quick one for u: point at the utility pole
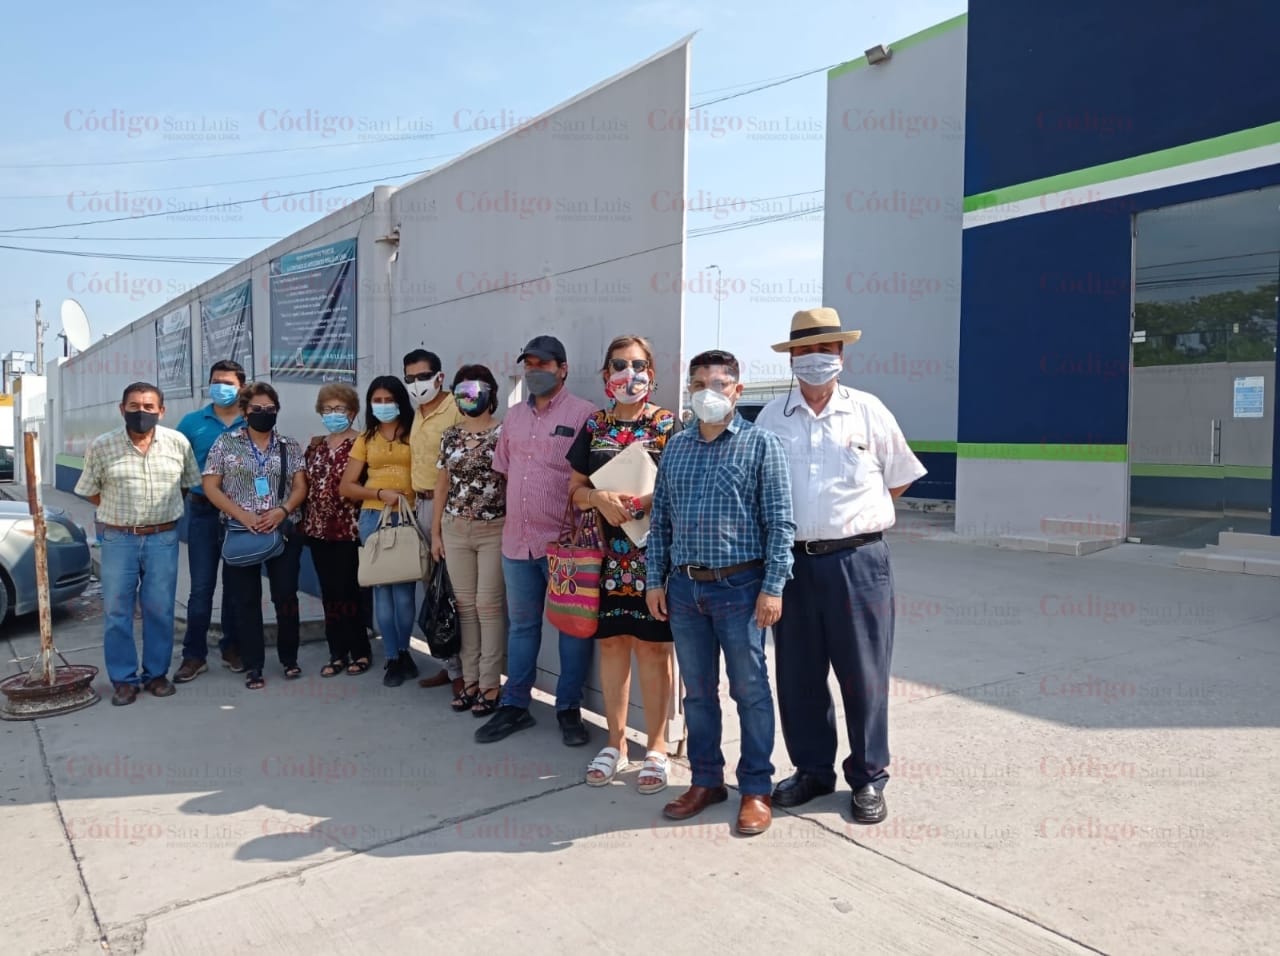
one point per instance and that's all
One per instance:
(719, 299)
(40, 327)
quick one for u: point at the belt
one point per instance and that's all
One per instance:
(143, 528)
(426, 495)
(814, 548)
(695, 573)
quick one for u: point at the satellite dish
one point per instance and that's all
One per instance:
(75, 325)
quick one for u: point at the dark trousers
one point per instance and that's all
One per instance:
(204, 557)
(245, 588)
(337, 565)
(837, 612)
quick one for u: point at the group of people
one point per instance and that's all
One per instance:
(773, 525)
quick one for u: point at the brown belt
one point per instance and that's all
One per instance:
(695, 573)
(426, 495)
(143, 528)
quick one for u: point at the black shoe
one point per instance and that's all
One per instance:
(799, 789)
(407, 666)
(572, 729)
(503, 724)
(393, 673)
(869, 805)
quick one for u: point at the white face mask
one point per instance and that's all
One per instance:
(711, 407)
(423, 392)
(817, 368)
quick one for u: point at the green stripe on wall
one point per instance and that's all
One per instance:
(70, 461)
(904, 44)
(1006, 452)
(936, 447)
(1255, 472)
(1214, 148)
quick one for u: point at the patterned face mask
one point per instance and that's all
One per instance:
(628, 387)
(472, 398)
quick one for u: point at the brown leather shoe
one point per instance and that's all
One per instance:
(231, 661)
(189, 671)
(161, 687)
(125, 694)
(436, 680)
(755, 813)
(693, 801)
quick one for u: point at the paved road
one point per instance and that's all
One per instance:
(1084, 760)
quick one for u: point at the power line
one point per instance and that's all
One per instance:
(147, 238)
(172, 260)
(764, 86)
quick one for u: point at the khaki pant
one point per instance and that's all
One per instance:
(473, 551)
(423, 512)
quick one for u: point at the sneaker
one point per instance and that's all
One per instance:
(189, 671)
(407, 666)
(393, 673)
(572, 730)
(503, 724)
(231, 661)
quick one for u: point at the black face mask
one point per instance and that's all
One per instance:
(261, 421)
(140, 423)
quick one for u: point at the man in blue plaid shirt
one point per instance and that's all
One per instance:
(720, 540)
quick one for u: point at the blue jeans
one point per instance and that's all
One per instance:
(138, 568)
(204, 557)
(526, 583)
(707, 618)
(393, 604)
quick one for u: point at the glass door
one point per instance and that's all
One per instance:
(1202, 382)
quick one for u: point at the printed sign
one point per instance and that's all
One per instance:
(226, 327)
(1248, 397)
(313, 314)
(173, 352)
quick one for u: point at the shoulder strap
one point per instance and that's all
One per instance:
(284, 469)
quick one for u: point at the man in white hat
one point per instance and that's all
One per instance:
(848, 462)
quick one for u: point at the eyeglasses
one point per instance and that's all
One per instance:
(264, 408)
(334, 410)
(620, 365)
(420, 377)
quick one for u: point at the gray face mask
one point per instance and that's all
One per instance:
(540, 383)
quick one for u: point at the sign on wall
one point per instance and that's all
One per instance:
(173, 352)
(1247, 398)
(226, 327)
(313, 314)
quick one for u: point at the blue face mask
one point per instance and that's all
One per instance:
(385, 411)
(336, 422)
(223, 394)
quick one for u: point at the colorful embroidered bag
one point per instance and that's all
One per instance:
(573, 576)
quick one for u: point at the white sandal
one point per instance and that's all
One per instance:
(655, 765)
(609, 762)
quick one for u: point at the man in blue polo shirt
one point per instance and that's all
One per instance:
(204, 526)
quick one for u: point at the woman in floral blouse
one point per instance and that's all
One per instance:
(625, 623)
(331, 532)
(467, 532)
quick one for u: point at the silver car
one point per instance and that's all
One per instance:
(69, 565)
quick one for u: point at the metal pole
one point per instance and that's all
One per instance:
(45, 672)
(39, 341)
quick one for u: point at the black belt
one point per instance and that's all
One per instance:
(815, 548)
(696, 573)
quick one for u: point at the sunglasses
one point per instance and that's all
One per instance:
(420, 377)
(263, 408)
(621, 365)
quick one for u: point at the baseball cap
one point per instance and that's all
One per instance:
(545, 347)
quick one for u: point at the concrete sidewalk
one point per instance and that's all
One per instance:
(1084, 760)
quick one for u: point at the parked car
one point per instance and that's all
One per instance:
(6, 463)
(68, 549)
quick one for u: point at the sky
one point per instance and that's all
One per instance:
(115, 110)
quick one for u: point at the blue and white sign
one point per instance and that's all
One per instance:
(1247, 402)
(313, 314)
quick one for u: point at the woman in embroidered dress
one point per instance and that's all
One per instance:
(626, 626)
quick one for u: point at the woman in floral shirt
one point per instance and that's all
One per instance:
(331, 533)
(625, 623)
(467, 533)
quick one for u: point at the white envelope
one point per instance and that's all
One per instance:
(632, 472)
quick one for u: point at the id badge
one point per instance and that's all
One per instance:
(262, 487)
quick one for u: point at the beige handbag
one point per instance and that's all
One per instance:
(394, 554)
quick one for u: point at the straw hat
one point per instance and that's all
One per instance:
(815, 326)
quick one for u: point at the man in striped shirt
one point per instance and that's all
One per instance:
(536, 435)
(720, 540)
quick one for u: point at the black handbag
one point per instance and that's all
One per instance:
(438, 616)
